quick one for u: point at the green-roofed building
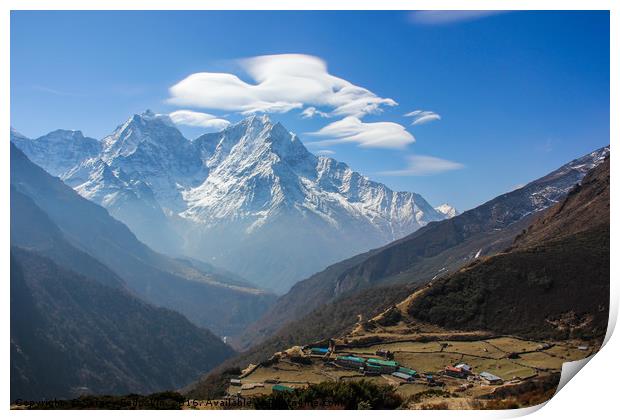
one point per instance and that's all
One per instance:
(282, 388)
(387, 366)
(350, 361)
(319, 351)
(408, 371)
(372, 368)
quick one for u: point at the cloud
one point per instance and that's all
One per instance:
(444, 17)
(377, 135)
(198, 119)
(280, 83)
(324, 152)
(425, 165)
(312, 111)
(423, 117)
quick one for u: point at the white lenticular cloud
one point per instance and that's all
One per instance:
(312, 111)
(444, 17)
(425, 165)
(324, 152)
(423, 117)
(376, 135)
(281, 83)
(198, 119)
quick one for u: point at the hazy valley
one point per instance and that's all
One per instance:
(472, 280)
(250, 199)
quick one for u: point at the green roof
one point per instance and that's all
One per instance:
(407, 371)
(371, 365)
(350, 358)
(282, 388)
(383, 362)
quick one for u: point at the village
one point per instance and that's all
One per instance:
(428, 366)
(471, 368)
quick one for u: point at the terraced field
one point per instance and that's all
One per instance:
(512, 359)
(521, 364)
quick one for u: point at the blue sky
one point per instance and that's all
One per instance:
(518, 94)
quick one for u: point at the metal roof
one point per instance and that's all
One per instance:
(282, 388)
(407, 371)
(383, 362)
(351, 358)
(490, 376)
(401, 375)
(464, 366)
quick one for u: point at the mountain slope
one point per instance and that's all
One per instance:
(33, 230)
(586, 207)
(554, 281)
(250, 199)
(275, 193)
(330, 320)
(71, 335)
(434, 250)
(130, 201)
(206, 299)
(59, 150)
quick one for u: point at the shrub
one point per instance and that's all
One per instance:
(348, 395)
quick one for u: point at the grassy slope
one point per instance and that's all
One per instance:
(326, 321)
(553, 282)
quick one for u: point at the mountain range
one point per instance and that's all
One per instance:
(250, 199)
(115, 316)
(52, 219)
(435, 250)
(546, 279)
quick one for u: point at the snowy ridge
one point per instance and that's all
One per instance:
(58, 151)
(263, 169)
(251, 198)
(447, 210)
(548, 190)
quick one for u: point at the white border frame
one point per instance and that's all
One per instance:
(592, 394)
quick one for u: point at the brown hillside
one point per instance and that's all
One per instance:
(586, 207)
(554, 282)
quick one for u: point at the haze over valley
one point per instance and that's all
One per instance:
(250, 199)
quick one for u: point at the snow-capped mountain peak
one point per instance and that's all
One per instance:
(261, 175)
(147, 127)
(65, 135)
(59, 150)
(447, 210)
(251, 198)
